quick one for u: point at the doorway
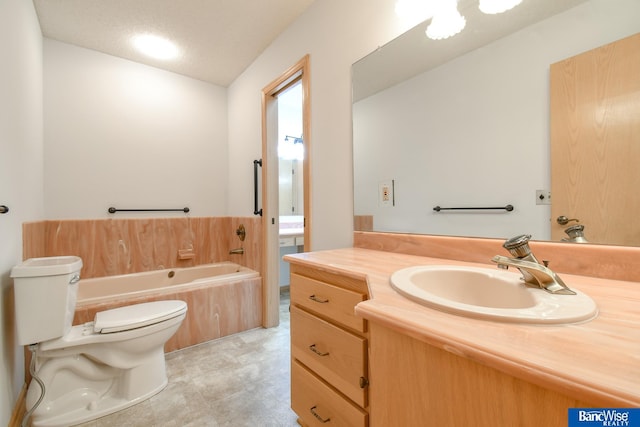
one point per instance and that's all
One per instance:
(285, 159)
(290, 173)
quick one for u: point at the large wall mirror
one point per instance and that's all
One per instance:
(464, 122)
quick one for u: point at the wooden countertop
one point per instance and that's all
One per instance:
(597, 361)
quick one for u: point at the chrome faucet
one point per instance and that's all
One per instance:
(533, 272)
(576, 234)
(238, 251)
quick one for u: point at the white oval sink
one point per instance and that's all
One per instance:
(489, 294)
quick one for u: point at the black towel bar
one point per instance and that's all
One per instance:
(507, 208)
(114, 210)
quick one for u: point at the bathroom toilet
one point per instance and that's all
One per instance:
(90, 370)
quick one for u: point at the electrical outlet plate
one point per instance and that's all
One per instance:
(543, 197)
(386, 193)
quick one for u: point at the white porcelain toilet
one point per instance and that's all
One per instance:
(94, 369)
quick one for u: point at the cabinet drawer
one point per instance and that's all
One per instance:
(332, 353)
(315, 402)
(327, 300)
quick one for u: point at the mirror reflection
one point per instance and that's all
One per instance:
(464, 122)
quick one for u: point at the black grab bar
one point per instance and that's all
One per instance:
(507, 208)
(114, 210)
(256, 163)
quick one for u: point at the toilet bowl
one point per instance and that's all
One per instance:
(90, 370)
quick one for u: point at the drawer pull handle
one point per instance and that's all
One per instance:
(363, 382)
(313, 348)
(316, 299)
(318, 417)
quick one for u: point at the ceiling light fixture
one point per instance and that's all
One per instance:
(156, 47)
(492, 7)
(446, 21)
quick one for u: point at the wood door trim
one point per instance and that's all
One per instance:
(299, 71)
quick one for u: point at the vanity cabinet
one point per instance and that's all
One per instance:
(420, 384)
(329, 348)
(428, 367)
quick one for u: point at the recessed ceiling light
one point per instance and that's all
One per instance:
(156, 47)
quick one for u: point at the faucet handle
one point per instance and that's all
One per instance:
(518, 246)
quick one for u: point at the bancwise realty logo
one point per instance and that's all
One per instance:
(604, 417)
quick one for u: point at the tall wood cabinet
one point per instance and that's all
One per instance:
(329, 348)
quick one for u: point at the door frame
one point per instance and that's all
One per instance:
(270, 215)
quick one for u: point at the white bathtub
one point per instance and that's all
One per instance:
(223, 298)
(109, 288)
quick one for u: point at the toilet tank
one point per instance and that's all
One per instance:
(45, 291)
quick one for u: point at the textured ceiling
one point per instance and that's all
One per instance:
(219, 39)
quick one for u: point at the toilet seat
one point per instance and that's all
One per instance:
(119, 324)
(137, 316)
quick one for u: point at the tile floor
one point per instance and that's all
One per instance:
(240, 380)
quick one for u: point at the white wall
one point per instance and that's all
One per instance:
(20, 170)
(336, 34)
(475, 131)
(123, 134)
(117, 133)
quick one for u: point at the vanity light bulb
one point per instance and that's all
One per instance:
(446, 22)
(492, 7)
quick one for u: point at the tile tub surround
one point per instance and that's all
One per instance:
(596, 362)
(115, 246)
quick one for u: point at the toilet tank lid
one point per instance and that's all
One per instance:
(47, 266)
(137, 315)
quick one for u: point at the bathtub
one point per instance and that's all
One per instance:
(223, 298)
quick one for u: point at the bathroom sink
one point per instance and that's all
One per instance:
(489, 294)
